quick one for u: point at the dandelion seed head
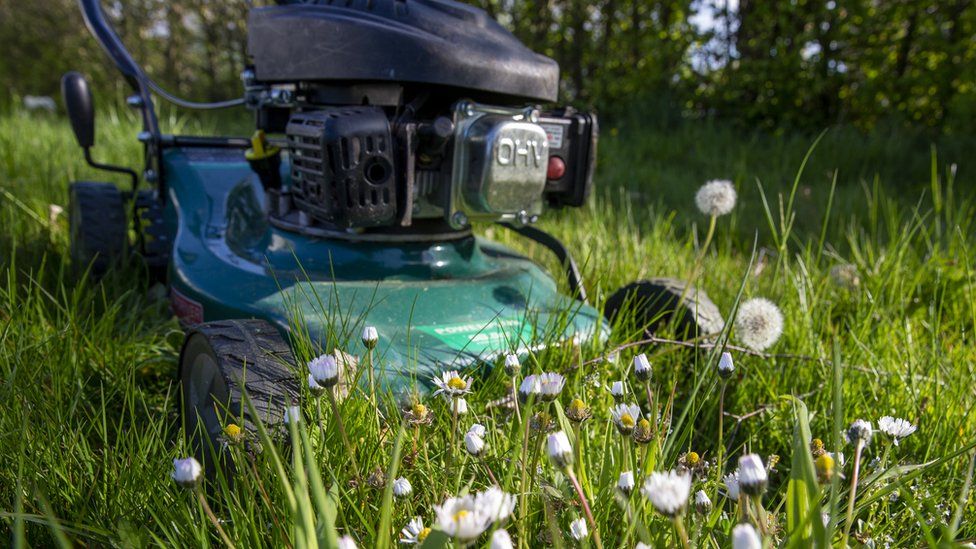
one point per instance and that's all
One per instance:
(759, 323)
(668, 492)
(716, 197)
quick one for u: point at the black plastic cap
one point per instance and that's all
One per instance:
(81, 107)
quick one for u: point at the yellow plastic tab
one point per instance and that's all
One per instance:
(259, 147)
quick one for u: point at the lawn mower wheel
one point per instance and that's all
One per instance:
(97, 224)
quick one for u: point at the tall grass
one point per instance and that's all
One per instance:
(89, 402)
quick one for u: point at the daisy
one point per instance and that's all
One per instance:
(744, 536)
(370, 337)
(715, 197)
(625, 416)
(617, 390)
(578, 529)
(461, 518)
(725, 365)
(530, 386)
(474, 444)
(452, 384)
(668, 492)
(731, 482)
(703, 504)
(496, 504)
(501, 540)
(402, 487)
(325, 370)
(550, 385)
(477, 429)
(642, 367)
(314, 387)
(346, 542)
(512, 364)
(752, 474)
(414, 532)
(626, 482)
(560, 451)
(186, 472)
(759, 323)
(461, 405)
(293, 413)
(896, 428)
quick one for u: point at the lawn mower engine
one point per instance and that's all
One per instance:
(435, 129)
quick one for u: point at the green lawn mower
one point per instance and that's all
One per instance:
(392, 126)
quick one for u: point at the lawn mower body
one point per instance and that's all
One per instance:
(452, 302)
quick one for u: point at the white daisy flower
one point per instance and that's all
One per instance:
(716, 197)
(668, 492)
(512, 364)
(626, 482)
(314, 387)
(530, 386)
(461, 518)
(642, 545)
(414, 532)
(859, 430)
(752, 474)
(896, 428)
(550, 385)
(703, 504)
(402, 487)
(578, 529)
(642, 367)
(731, 482)
(625, 416)
(725, 365)
(461, 405)
(474, 444)
(744, 536)
(477, 429)
(617, 390)
(452, 384)
(293, 413)
(560, 451)
(495, 503)
(370, 337)
(759, 323)
(325, 370)
(501, 540)
(186, 472)
(346, 542)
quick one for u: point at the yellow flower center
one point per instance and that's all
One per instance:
(423, 534)
(459, 516)
(644, 425)
(419, 410)
(627, 420)
(692, 459)
(576, 406)
(457, 384)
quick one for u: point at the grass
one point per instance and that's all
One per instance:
(89, 419)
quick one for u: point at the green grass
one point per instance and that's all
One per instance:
(89, 419)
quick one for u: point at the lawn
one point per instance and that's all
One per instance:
(865, 248)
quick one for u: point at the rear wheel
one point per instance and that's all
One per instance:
(97, 223)
(220, 363)
(655, 302)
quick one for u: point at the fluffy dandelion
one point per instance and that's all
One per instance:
(577, 411)
(731, 482)
(402, 487)
(703, 504)
(495, 503)
(370, 337)
(716, 197)
(725, 366)
(617, 390)
(186, 472)
(474, 444)
(512, 364)
(642, 368)
(346, 542)
(578, 529)
(325, 370)
(560, 451)
(668, 492)
(501, 540)
(744, 536)
(414, 533)
(759, 323)
(461, 518)
(752, 475)
(625, 417)
(451, 383)
(896, 428)
(859, 431)
(626, 482)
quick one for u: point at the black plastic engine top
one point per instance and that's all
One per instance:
(437, 42)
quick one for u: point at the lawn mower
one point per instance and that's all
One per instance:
(384, 130)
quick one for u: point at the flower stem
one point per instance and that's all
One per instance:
(454, 424)
(213, 518)
(853, 495)
(679, 525)
(586, 507)
(523, 488)
(372, 389)
(518, 412)
(342, 430)
(720, 448)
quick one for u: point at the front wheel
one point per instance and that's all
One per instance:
(653, 303)
(223, 361)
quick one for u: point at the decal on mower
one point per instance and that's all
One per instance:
(189, 312)
(475, 337)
